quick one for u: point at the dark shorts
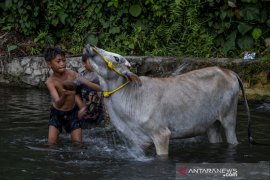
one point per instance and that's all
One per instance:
(65, 119)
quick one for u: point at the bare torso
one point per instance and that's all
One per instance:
(63, 99)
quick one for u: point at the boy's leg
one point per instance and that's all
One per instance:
(52, 135)
(76, 135)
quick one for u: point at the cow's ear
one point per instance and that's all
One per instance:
(135, 79)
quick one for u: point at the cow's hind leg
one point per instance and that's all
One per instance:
(229, 124)
(161, 140)
(214, 133)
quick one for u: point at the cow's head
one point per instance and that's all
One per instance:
(109, 65)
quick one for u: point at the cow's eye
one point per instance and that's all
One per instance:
(116, 58)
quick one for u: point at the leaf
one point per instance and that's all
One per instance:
(135, 10)
(219, 40)
(263, 16)
(8, 4)
(245, 42)
(256, 33)
(249, 1)
(131, 46)
(250, 13)
(12, 47)
(223, 15)
(20, 3)
(54, 22)
(92, 39)
(63, 17)
(105, 24)
(110, 4)
(230, 43)
(177, 2)
(114, 30)
(243, 28)
(268, 22)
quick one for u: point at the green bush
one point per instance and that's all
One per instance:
(195, 28)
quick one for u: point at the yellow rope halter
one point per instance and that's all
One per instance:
(111, 66)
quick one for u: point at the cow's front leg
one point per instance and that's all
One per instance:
(161, 140)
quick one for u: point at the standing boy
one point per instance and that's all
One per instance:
(67, 107)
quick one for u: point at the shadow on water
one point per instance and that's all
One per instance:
(104, 155)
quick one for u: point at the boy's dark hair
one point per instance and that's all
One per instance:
(84, 57)
(51, 53)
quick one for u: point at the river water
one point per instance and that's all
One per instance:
(24, 154)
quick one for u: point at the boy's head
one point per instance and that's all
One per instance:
(55, 59)
(86, 63)
(51, 53)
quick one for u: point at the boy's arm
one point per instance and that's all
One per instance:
(81, 105)
(90, 84)
(79, 101)
(58, 100)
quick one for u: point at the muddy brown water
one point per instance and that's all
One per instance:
(24, 155)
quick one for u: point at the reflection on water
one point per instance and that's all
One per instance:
(24, 154)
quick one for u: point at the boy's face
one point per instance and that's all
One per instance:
(58, 64)
(87, 66)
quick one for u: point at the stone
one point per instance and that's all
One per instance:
(15, 68)
(25, 61)
(28, 71)
(37, 72)
(30, 80)
(34, 65)
(267, 42)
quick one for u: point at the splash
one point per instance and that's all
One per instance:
(108, 142)
(264, 107)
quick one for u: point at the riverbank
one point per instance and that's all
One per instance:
(32, 71)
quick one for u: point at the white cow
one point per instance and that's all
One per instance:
(149, 109)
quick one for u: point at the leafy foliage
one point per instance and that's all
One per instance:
(238, 29)
(208, 28)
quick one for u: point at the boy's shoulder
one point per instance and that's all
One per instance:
(50, 80)
(71, 72)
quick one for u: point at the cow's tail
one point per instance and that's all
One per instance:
(250, 139)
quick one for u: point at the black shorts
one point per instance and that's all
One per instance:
(65, 119)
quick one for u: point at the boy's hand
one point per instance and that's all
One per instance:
(68, 92)
(82, 113)
(90, 84)
(69, 85)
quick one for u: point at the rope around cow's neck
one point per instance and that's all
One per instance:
(108, 93)
(111, 66)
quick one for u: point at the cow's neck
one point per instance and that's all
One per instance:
(113, 84)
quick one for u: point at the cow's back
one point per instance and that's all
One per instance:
(195, 100)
